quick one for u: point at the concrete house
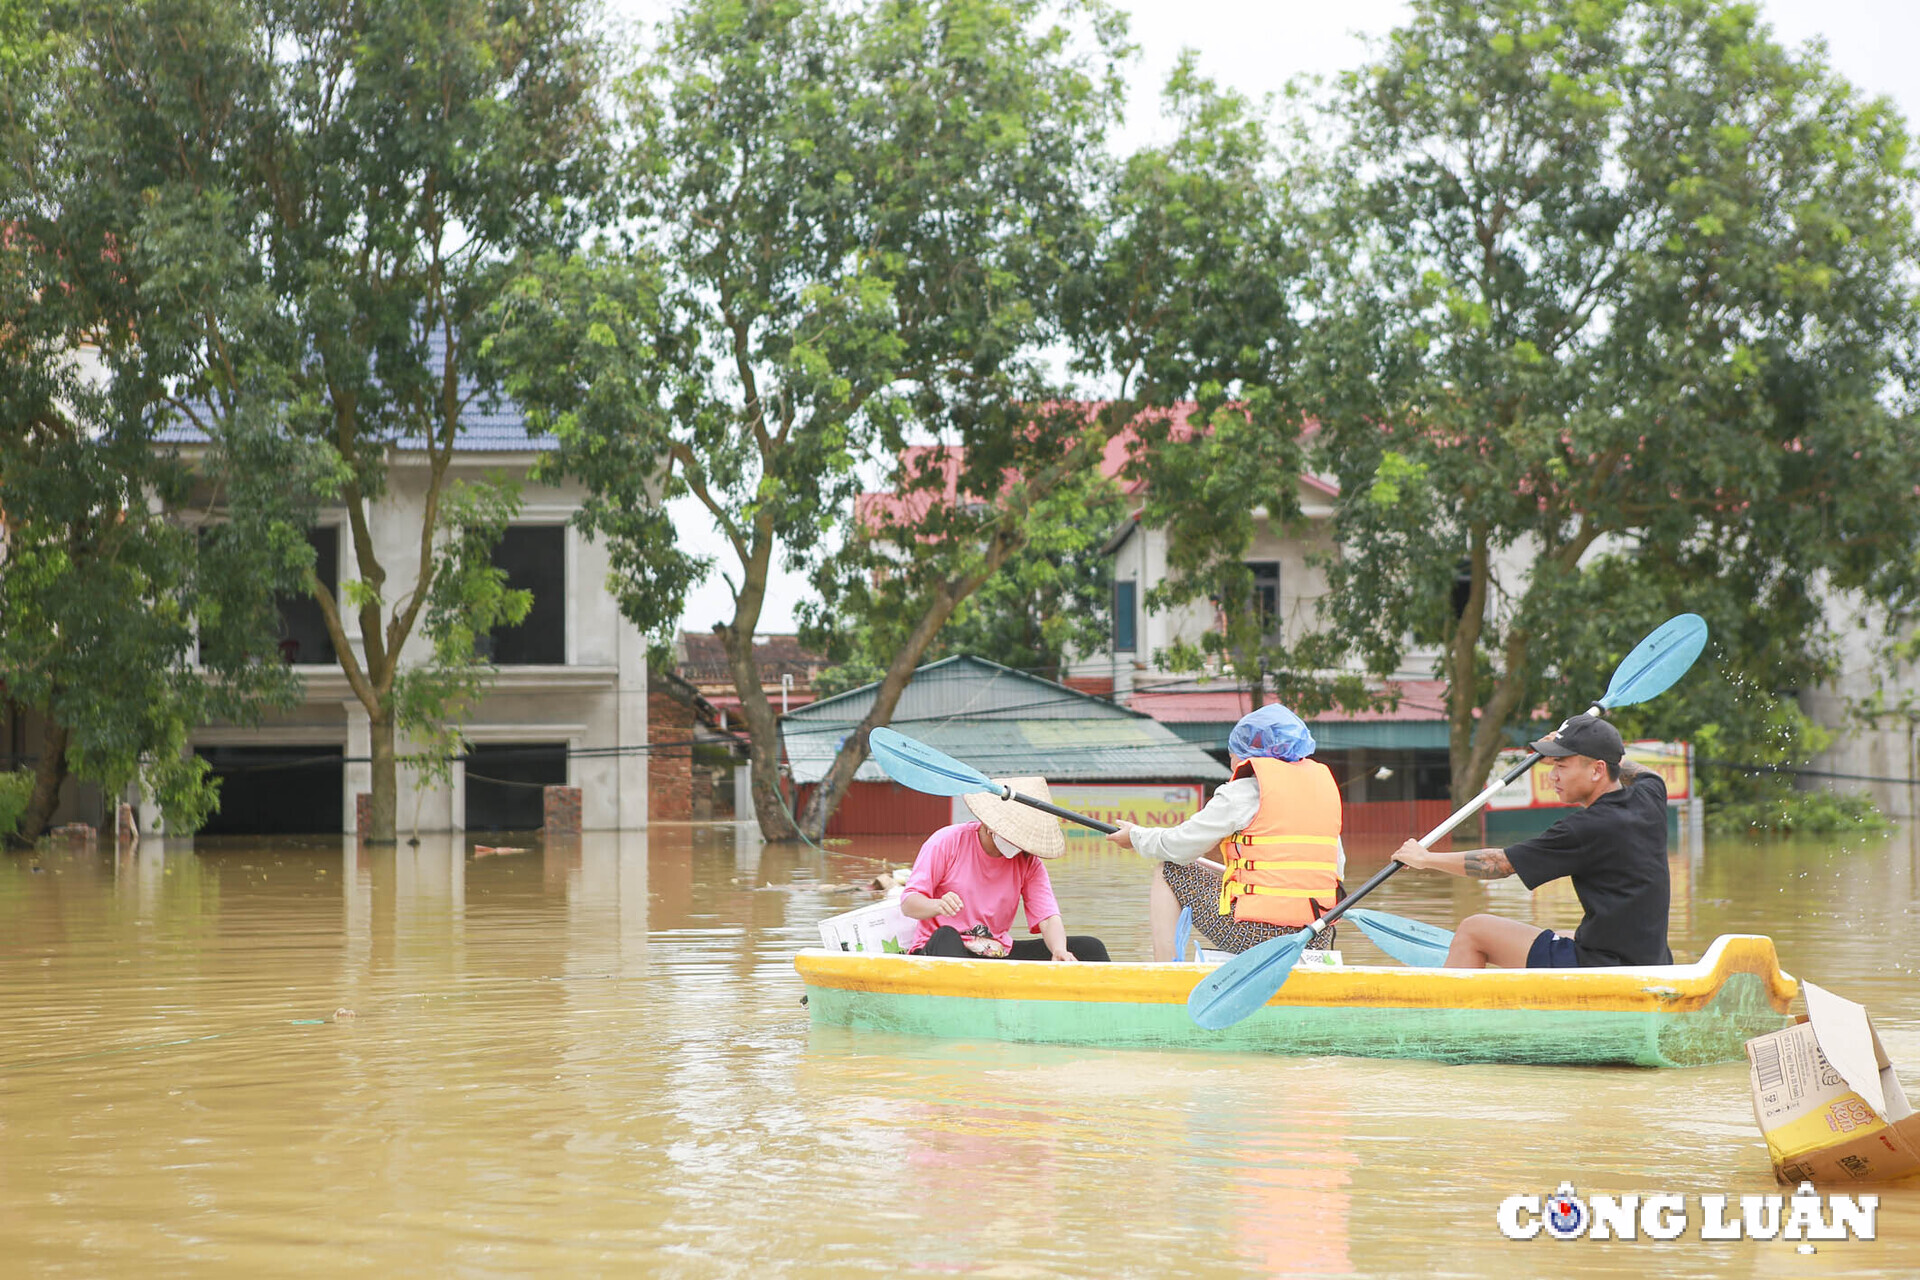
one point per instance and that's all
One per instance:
(1393, 765)
(1396, 759)
(567, 706)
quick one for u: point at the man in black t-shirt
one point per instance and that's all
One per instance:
(1614, 848)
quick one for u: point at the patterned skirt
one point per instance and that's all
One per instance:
(1198, 889)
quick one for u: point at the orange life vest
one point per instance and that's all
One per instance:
(1284, 867)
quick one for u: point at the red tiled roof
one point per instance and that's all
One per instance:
(1190, 707)
(775, 655)
(874, 509)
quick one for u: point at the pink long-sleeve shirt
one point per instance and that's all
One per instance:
(990, 886)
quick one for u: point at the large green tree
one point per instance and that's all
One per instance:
(1615, 284)
(121, 628)
(317, 199)
(850, 224)
(1193, 310)
(1049, 601)
(972, 550)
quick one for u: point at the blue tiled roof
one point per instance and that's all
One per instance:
(487, 424)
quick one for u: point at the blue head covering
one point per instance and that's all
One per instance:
(1273, 731)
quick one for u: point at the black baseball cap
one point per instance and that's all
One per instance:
(1584, 735)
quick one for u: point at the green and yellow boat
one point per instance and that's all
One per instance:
(1679, 1015)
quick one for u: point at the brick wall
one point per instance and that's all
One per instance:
(669, 769)
(560, 809)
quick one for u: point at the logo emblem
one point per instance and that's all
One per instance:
(1566, 1214)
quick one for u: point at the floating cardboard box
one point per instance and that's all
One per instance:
(1828, 1100)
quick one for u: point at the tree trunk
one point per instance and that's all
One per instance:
(1463, 669)
(853, 752)
(386, 784)
(763, 735)
(48, 774)
(1474, 742)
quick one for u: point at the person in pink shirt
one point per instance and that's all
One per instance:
(969, 879)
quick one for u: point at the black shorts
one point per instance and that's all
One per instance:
(1551, 951)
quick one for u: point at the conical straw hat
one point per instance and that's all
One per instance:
(1036, 832)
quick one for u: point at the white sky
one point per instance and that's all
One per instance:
(1257, 46)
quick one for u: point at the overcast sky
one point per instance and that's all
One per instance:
(1257, 46)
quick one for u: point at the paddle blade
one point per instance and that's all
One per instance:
(1180, 932)
(917, 765)
(1246, 982)
(1657, 661)
(1411, 942)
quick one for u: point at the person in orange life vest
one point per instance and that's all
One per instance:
(1613, 847)
(970, 878)
(1276, 825)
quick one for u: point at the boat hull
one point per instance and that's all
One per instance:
(1666, 1016)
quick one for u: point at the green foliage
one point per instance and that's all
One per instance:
(1636, 283)
(847, 226)
(99, 594)
(16, 787)
(1049, 599)
(1196, 292)
(856, 670)
(1737, 705)
(588, 346)
(1810, 813)
(119, 624)
(310, 207)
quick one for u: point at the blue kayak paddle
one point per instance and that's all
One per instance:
(1411, 942)
(1246, 982)
(915, 764)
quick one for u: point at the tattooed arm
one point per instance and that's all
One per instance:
(1485, 864)
(1480, 864)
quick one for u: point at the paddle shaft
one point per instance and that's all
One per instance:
(1104, 828)
(1459, 816)
(1107, 828)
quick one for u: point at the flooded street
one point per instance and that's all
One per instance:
(243, 1058)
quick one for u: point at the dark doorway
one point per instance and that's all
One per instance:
(506, 781)
(534, 557)
(275, 791)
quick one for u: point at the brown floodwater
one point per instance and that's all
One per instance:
(302, 1057)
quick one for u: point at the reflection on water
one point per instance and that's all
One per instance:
(589, 1056)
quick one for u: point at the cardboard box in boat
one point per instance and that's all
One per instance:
(878, 926)
(1828, 1100)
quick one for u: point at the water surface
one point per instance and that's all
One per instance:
(290, 1058)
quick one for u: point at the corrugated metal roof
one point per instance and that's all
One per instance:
(1058, 750)
(487, 425)
(1004, 723)
(975, 688)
